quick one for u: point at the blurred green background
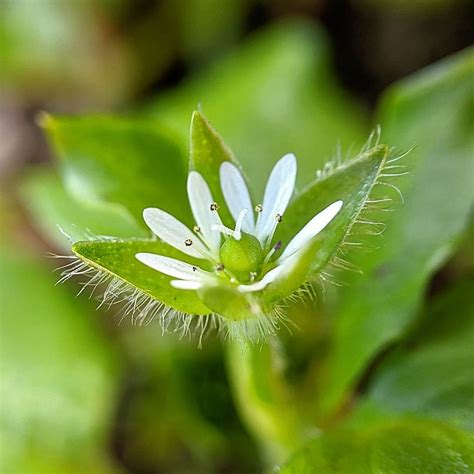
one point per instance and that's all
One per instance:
(82, 390)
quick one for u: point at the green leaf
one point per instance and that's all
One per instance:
(126, 162)
(117, 259)
(58, 371)
(51, 207)
(395, 446)
(432, 374)
(275, 95)
(430, 111)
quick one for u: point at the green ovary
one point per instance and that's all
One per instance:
(242, 257)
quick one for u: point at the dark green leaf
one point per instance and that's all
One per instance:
(430, 111)
(399, 446)
(432, 374)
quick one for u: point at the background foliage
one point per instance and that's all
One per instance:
(380, 370)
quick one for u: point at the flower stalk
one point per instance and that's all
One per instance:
(263, 397)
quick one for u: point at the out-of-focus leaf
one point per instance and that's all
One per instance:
(432, 111)
(125, 162)
(117, 258)
(208, 29)
(51, 208)
(273, 96)
(433, 374)
(394, 446)
(58, 375)
(38, 40)
(412, 6)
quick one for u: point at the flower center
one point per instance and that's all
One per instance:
(243, 258)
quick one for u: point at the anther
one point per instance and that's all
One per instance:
(277, 246)
(258, 208)
(220, 267)
(196, 229)
(278, 218)
(194, 269)
(188, 242)
(214, 206)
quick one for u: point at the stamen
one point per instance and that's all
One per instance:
(238, 224)
(214, 206)
(258, 208)
(220, 267)
(253, 275)
(224, 230)
(194, 269)
(188, 242)
(196, 229)
(272, 252)
(278, 220)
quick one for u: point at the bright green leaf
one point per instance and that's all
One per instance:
(58, 374)
(429, 111)
(121, 161)
(51, 207)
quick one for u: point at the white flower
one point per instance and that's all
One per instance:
(244, 256)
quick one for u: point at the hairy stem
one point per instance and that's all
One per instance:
(263, 398)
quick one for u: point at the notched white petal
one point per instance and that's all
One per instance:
(261, 284)
(278, 192)
(236, 195)
(173, 232)
(201, 201)
(172, 267)
(186, 284)
(311, 229)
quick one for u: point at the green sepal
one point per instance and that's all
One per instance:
(352, 183)
(230, 303)
(117, 259)
(207, 153)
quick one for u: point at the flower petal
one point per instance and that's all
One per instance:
(278, 192)
(200, 199)
(186, 284)
(311, 229)
(172, 267)
(261, 284)
(174, 233)
(236, 194)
